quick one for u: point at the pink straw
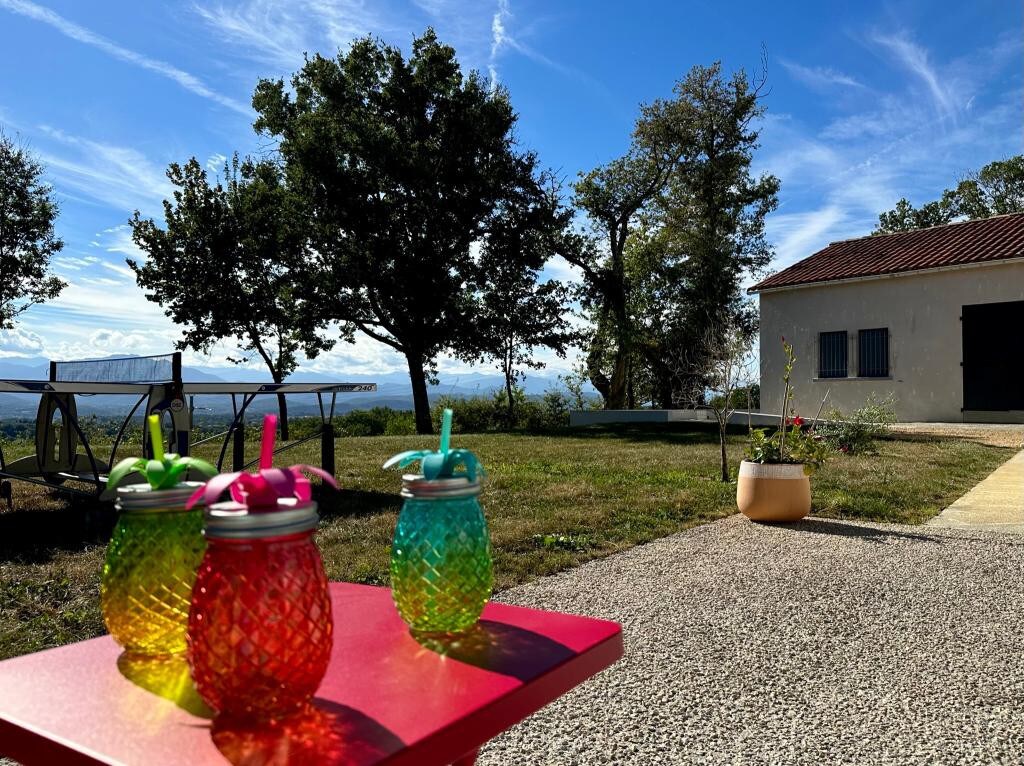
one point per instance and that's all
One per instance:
(267, 447)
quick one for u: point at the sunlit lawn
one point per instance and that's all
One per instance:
(552, 503)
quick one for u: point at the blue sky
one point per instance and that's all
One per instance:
(868, 102)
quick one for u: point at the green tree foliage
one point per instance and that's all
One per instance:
(27, 239)
(614, 196)
(228, 264)
(710, 219)
(404, 165)
(679, 221)
(996, 189)
(517, 313)
(905, 216)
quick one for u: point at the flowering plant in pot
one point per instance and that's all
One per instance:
(774, 481)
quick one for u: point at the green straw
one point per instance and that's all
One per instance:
(446, 431)
(156, 437)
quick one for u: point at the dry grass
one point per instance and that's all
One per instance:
(552, 503)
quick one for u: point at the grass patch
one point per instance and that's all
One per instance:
(552, 502)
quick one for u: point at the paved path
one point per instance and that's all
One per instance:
(995, 504)
(823, 642)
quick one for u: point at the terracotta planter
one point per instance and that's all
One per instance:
(773, 492)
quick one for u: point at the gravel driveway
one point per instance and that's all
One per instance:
(817, 643)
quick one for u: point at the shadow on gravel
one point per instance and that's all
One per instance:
(844, 529)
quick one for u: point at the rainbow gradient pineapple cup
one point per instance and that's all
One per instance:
(151, 562)
(150, 568)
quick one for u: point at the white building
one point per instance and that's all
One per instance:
(933, 316)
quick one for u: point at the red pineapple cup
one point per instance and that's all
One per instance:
(260, 627)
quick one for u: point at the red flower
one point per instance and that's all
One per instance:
(798, 421)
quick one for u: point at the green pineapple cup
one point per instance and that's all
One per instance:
(441, 569)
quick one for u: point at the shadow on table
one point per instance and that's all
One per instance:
(324, 733)
(500, 648)
(166, 677)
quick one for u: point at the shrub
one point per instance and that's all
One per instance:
(401, 423)
(738, 398)
(856, 433)
(482, 414)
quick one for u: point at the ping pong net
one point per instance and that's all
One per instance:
(163, 368)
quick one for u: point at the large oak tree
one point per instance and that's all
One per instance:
(678, 221)
(404, 164)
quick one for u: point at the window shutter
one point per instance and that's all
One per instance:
(832, 352)
(873, 353)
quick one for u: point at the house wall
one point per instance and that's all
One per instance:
(922, 312)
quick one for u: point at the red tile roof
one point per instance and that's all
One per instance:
(980, 241)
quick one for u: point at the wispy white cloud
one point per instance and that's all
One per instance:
(215, 162)
(118, 239)
(499, 39)
(116, 175)
(86, 36)
(502, 39)
(797, 235)
(820, 77)
(911, 137)
(279, 33)
(916, 60)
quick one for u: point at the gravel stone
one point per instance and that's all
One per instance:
(819, 642)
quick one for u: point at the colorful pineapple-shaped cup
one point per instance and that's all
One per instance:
(154, 552)
(441, 571)
(260, 628)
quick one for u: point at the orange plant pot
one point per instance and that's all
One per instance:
(773, 492)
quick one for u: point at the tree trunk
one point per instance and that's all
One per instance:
(420, 400)
(722, 425)
(615, 399)
(598, 379)
(282, 405)
(511, 405)
(282, 408)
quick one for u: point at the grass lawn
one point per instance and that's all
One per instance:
(552, 503)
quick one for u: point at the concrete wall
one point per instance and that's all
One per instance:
(922, 312)
(601, 417)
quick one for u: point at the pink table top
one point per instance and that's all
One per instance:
(386, 699)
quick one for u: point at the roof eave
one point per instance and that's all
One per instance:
(758, 288)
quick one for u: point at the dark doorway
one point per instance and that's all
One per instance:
(993, 356)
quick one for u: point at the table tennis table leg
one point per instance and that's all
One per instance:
(468, 759)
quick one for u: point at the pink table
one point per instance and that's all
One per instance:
(387, 699)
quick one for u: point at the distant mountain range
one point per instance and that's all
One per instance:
(393, 390)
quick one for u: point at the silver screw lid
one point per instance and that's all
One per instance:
(142, 498)
(418, 486)
(235, 521)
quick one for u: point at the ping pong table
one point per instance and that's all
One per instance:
(62, 449)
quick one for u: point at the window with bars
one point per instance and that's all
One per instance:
(873, 353)
(832, 354)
